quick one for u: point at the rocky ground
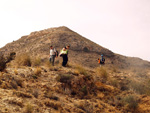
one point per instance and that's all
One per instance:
(71, 89)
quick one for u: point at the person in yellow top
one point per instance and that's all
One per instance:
(64, 55)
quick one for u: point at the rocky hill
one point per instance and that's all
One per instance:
(82, 51)
(29, 84)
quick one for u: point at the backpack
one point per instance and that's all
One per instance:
(102, 60)
(57, 53)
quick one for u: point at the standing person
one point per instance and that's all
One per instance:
(101, 60)
(67, 49)
(52, 55)
(63, 54)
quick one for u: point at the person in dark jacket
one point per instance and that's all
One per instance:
(64, 55)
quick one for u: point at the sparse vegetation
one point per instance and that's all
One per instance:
(84, 90)
(2, 63)
(114, 82)
(101, 72)
(52, 104)
(138, 87)
(35, 93)
(22, 94)
(16, 101)
(16, 72)
(37, 71)
(131, 101)
(81, 70)
(23, 60)
(36, 61)
(64, 78)
(5, 60)
(28, 108)
(51, 95)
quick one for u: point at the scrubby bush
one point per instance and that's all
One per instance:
(5, 60)
(53, 104)
(35, 93)
(36, 61)
(81, 70)
(131, 101)
(16, 101)
(86, 106)
(101, 72)
(84, 90)
(28, 108)
(64, 78)
(37, 71)
(50, 95)
(137, 87)
(22, 94)
(114, 82)
(2, 63)
(23, 60)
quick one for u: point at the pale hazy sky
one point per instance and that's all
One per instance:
(123, 26)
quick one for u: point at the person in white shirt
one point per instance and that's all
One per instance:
(52, 55)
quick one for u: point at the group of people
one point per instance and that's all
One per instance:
(63, 53)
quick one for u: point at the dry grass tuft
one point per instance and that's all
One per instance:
(16, 101)
(22, 94)
(23, 60)
(64, 78)
(28, 108)
(55, 105)
(16, 71)
(51, 95)
(81, 70)
(114, 82)
(101, 72)
(36, 61)
(37, 71)
(35, 93)
(131, 101)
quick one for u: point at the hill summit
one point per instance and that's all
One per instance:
(82, 51)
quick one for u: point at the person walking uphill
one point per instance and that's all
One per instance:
(53, 54)
(64, 55)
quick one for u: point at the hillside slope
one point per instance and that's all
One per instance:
(73, 89)
(82, 51)
(120, 86)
